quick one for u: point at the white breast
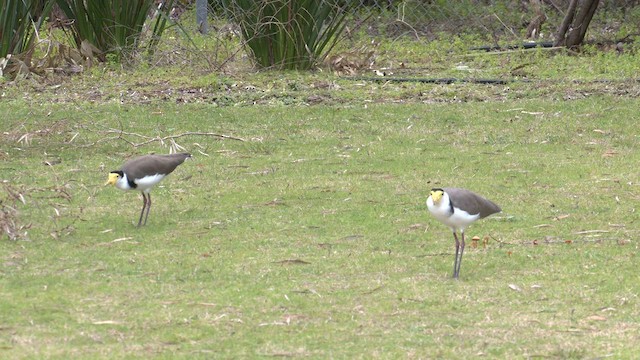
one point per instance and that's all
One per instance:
(459, 220)
(148, 181)
(144, 184)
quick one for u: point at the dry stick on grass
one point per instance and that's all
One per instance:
(120, 135)
(549, 240)
(150, 139)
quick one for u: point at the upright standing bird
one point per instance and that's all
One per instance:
(458, 208)
(142, 173)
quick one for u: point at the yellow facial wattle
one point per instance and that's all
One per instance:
(113, 177)
(436, 195)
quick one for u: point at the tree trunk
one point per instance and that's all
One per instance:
(201, 16)
(574, 26)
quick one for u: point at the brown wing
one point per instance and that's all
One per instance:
(472, 202)
(153, 164)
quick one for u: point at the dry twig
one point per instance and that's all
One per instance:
(145, 140)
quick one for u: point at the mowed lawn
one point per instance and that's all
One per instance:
(311, 238)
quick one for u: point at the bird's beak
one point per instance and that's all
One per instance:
(112, 179)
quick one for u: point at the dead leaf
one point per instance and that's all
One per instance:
(596, 318)
(591, 232)
(352, 237)
(292, 261)
(373, 290)
(88, 50)
(274, 202)
(52, 162)
(206, 304)
(416, 226)
(350, 62)
(514, 287)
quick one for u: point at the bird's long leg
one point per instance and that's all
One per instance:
(461, 252)
(148, 208)
(144, 206)
(455, 263)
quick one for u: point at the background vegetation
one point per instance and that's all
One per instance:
(300, 227)
(288, 34)
(115, 27)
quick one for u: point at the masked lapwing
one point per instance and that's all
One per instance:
(458, 208)
(143, 173)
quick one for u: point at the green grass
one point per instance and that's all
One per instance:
(312, 238)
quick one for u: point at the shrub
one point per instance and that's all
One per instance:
(114, 26)
(288, 34)
(19, 22)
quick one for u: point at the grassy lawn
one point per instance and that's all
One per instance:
(304, 232)
(311, 238)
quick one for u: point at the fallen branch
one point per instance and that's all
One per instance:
(591, 232)
(170, 137)
(430, 80)
(526, 45)
(144, 139)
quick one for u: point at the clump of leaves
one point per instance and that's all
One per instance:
(9, 215)
(48, 56)
(351, 62)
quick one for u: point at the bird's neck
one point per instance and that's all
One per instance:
(123, 183)
(444, 206)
